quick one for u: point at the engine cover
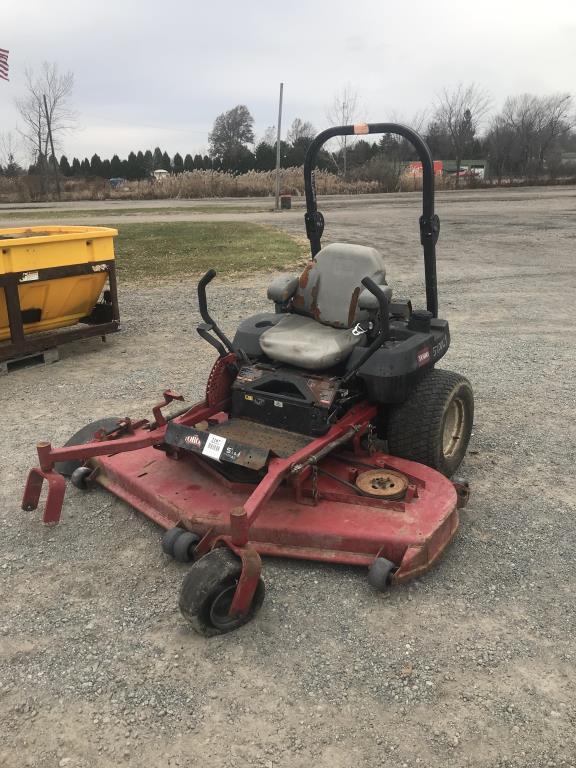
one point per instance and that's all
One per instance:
(285, 398)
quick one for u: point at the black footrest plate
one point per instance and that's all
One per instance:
(215, 447)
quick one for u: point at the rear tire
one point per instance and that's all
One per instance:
(434, 424)
(84, 435)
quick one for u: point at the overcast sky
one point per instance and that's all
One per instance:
(151, 73)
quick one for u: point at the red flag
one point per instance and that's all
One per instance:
(3, 64)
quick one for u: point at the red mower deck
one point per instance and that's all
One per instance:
(341, 527)
(306, 506)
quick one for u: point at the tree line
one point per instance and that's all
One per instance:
(526, 139)
(229, 151)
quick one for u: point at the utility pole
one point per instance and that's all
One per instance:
(49, 126)
(278, 148)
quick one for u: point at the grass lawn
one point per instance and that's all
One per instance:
(8, 214)
(169, 250)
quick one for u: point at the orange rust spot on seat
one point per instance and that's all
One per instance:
(353, 305)
(303, 280)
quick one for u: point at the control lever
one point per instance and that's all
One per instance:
(210, 324)
(384, 326)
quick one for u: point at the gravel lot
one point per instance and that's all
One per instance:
(472, 665)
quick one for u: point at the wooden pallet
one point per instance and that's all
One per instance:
(44, 357)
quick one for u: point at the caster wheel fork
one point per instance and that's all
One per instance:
(222, 591)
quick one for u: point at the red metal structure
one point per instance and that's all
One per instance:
(307, 506)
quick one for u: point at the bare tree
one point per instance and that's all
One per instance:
(526, 135)
(343, 111)
(8, 163)
(459, 113)
(300, 129)
(501, 145)
(45, 109)
(269, 136)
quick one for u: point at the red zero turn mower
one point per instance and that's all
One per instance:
(284, 455)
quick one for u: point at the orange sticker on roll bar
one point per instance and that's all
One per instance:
(361, 128)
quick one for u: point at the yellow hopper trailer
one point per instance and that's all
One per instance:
(54, 278)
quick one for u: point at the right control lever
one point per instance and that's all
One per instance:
(384, 326)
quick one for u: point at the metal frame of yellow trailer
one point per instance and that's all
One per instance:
(63, 268)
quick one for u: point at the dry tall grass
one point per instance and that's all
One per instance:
(206, 184)
(195, 184)
(201, 184)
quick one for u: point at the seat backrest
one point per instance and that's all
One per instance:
(329, 287)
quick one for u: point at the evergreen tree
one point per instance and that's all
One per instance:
(284, 154)
(115, 167)
(148, 162)
(178, 163)
(207, 163)
(198, 162)
(296, 153)
(166, 162)
(265, 157)
(65, 169)
(188, 163)
(244, 161)
(133, 168)
(85, 167)
(76, 169)
(95, 165)
(359, 153)
(141, 164)
(106, 172)
(157, 159)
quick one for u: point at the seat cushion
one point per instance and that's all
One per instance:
(329, 288)
(304, 343)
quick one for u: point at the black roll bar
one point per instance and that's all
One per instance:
(429, 222)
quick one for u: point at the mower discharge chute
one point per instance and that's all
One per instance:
(284, 456)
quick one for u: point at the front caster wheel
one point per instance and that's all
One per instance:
(169, 540)
(184, 546)
(180, 544)
(80, 476)
(207, 592)
(380, 573)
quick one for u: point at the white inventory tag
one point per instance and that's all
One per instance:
(214, 446)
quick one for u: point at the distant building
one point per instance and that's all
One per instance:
(160, 174)
(468, 169)
(415, 169)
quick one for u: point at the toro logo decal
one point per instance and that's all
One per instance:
(193, 440)
(423, 356)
